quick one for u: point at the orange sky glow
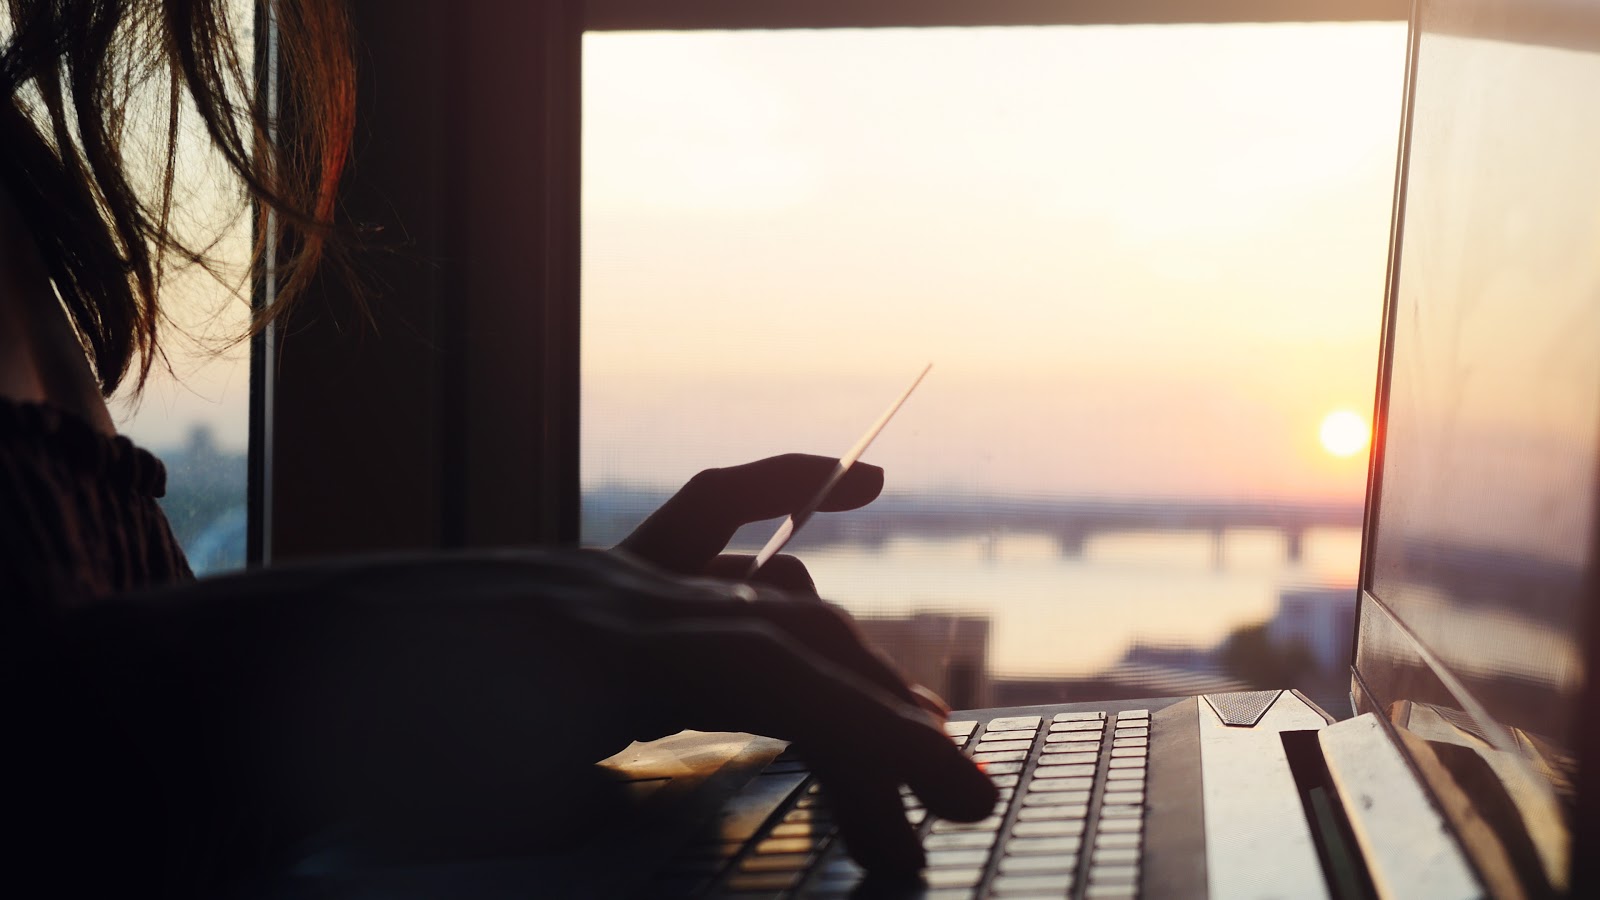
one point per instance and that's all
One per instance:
(1143, 260)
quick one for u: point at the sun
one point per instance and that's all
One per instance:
(1344, 433)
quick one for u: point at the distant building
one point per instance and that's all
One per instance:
(1323, 620)
(947, 653)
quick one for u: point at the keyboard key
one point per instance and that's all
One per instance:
(1044, 813)
(1129, 752)
(1135, 776)
(1069, 759)
(1124, 763)
(1078, 771)
(1114, 841)
(1012, 885)
(1116, 856)
(1123, 798)
(1113, 874)
(810, 814)
(1002, 768)
(777, 862)
(1059, 798)
(1134, 714)
(944, 826)
(1025, 865)
(1061, 727)
(996, 746)
(952, 878)
(1005, 736)
(1014, 723)
(795, 830)
(787, 845)
(1121, 812)
(1131, 731)
(1130, 742)
(1079, 717)
(960, 729)
(762, 881)
(1005, 780)
(1073, 742)
(1002, 756)
(915, 816)
(943, 859)
(1121, 826)
(1061, 828)
(1112, 892)
(1026, 846)
(972, 840)
(1046, 785)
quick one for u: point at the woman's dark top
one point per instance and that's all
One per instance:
(85, 784)
(78, 513)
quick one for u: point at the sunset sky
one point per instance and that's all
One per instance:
(1143, 260)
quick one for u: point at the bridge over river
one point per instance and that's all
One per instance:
(1072, 522)
(609, 514)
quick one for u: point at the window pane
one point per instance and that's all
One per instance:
(1146, 262)
(196, 417)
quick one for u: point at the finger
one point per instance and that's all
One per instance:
(691, 528)
(870, 816)
(733, 675)
(784, 572)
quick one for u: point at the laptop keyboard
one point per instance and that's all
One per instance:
(1069, 823)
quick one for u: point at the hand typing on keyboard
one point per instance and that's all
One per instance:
(779, 666)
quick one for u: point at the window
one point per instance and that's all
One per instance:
(195, 418)
(1147, 263)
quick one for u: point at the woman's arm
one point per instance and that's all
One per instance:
(390, 687)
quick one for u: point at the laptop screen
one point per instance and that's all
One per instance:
(1481, 520)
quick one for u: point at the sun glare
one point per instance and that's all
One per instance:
(1344, 433)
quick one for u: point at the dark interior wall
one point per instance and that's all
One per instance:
(450, 420)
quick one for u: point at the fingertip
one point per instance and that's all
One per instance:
(956, 788)
(859, 486)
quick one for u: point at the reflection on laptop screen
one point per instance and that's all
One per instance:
(1477, 560)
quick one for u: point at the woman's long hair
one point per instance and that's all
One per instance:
(69, 76)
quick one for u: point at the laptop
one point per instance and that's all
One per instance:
(1456, 771)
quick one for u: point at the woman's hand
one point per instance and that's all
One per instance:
(539, 664)
(687, 534)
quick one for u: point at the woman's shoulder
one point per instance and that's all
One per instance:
(47, 437)
(78, 511)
